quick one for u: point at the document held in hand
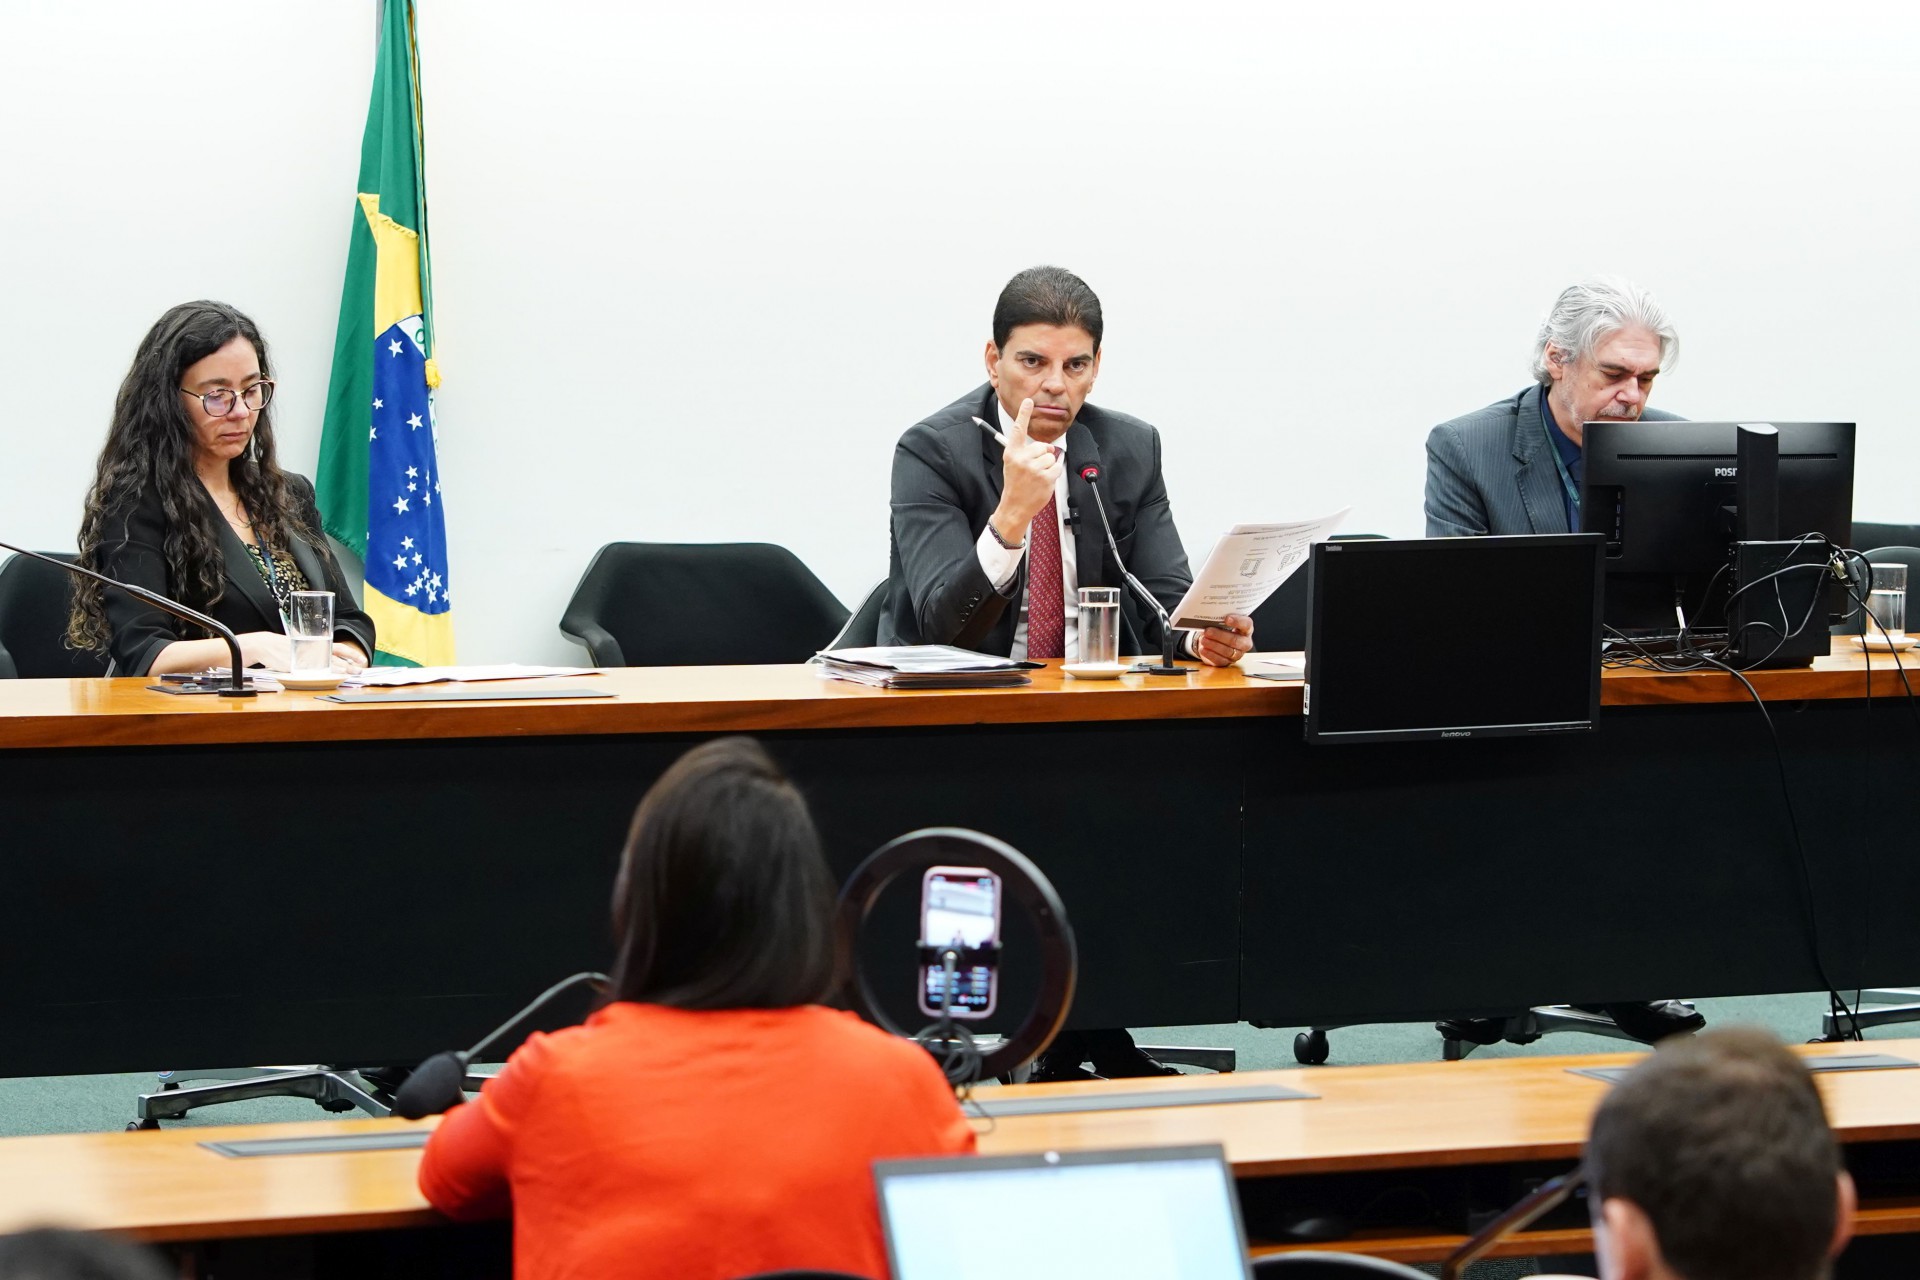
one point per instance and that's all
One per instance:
(1246, 566)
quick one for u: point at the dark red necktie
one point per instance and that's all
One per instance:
(1046, 600)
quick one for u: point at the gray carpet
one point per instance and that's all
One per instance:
(78, 1104)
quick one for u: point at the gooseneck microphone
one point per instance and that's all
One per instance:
(437, 1083)
(1168, 667)
(237, 688)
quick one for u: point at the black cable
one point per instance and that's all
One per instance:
(1837, 1005)
(1689, 657)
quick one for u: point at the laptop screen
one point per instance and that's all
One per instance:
(1166, 1213)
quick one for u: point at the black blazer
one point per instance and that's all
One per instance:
(946, 483)
(135, 552)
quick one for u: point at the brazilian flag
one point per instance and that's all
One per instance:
(379, 479)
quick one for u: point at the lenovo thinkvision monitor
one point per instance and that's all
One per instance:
(1664, 496)
(1453, 638)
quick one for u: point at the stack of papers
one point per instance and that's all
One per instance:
(923, 666)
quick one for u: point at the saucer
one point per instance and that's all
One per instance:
(1883, 643)
(1094, 670)
(313, 680)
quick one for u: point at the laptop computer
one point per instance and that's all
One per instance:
(1155, 1213)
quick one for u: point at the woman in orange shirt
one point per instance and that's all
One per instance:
(712, 1120)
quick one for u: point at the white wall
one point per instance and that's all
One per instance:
(698, 266)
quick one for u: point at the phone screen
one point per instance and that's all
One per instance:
(960, 904)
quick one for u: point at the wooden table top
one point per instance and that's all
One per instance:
(163, 1185)
(124, 712)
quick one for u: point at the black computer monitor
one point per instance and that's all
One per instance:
(1453, 638)
(1664, 497)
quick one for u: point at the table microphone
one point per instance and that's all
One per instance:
(437, 1084)
(236, 688)
(1091, 474)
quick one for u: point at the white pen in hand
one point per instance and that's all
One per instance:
(997, 437)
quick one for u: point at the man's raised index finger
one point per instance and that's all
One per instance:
(1021, 419)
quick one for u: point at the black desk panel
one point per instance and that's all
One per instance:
(376, 902)
(1652, 859)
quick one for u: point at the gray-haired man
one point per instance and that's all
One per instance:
(1515, 467)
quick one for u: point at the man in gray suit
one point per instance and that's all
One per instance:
(1515, 467)
(994, 529)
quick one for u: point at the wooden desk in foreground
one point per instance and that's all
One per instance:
(194, 882)
(1469, 1128)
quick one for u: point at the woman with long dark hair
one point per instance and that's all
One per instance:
(188, 500)
(712, 1120)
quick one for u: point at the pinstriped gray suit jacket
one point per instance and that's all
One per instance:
(1490, 472)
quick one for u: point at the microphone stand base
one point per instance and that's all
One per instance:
(223, 689)
(1167, 666)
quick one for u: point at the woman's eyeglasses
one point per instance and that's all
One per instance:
(219, 404)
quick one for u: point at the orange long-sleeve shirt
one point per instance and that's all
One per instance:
(658, 1142)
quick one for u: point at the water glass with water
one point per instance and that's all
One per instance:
(310, 628)
(1100, 625)
(1887, 602)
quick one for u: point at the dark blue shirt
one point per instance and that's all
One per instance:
(1570, 457)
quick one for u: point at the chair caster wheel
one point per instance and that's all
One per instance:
(135, 1126)
(336, 1104)
(1310, 1048)
(168, 1086)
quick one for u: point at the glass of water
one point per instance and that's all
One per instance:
(1100, 625)
(310, 628)
(1887, 603)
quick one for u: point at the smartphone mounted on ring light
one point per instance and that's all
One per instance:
(959, 916)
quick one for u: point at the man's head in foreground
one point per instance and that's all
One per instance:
(1713, 1161)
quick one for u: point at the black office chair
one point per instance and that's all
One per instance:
(863, 628)
(34, 602)
(1280, 623)
(7, 670)
(1869, 534)
(660, 604)
(1314, 1264)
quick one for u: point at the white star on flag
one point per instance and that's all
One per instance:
(416, 557)
(373, 433)
(400, 506)
(379, 404)
(413, 420)
(406, 544)
(413, 473)
(411, 486)
(393, 348)
(399, 562)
